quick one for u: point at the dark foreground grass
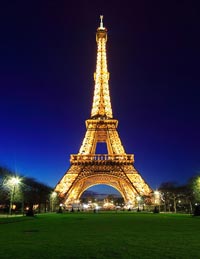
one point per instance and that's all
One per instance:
(101, 235)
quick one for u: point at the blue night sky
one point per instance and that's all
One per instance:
(47, 61)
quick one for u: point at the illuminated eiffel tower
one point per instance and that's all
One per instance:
(115, 168)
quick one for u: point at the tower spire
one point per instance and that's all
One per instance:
(101, 107)
(101, 21)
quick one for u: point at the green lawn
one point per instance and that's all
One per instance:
(100, 235)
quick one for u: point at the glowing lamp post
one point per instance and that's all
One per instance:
(157, 201)
(138, 198)
(53, 197)
(13, 183)
(157, 197)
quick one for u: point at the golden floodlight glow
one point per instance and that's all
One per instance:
(114, 168)
(101, 101)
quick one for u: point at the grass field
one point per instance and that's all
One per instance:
(100, 235)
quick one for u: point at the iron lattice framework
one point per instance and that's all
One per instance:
(116, 168)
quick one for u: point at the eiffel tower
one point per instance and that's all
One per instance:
(115, 168)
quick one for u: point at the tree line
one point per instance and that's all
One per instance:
(180, 198)
(27, 194)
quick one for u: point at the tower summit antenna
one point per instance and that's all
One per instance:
(101, 21)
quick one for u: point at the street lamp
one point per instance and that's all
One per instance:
(53, 197)
(157, 200)
(138, 198)
(12, 184)
(157, 197)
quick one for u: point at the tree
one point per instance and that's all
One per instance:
(4, 173)
(4, 197)
(30, 192)
(10, 192)
(12, 185)
(195, 184)
(167, 191)
(36, 193)
(171, 195)
(176, 197)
